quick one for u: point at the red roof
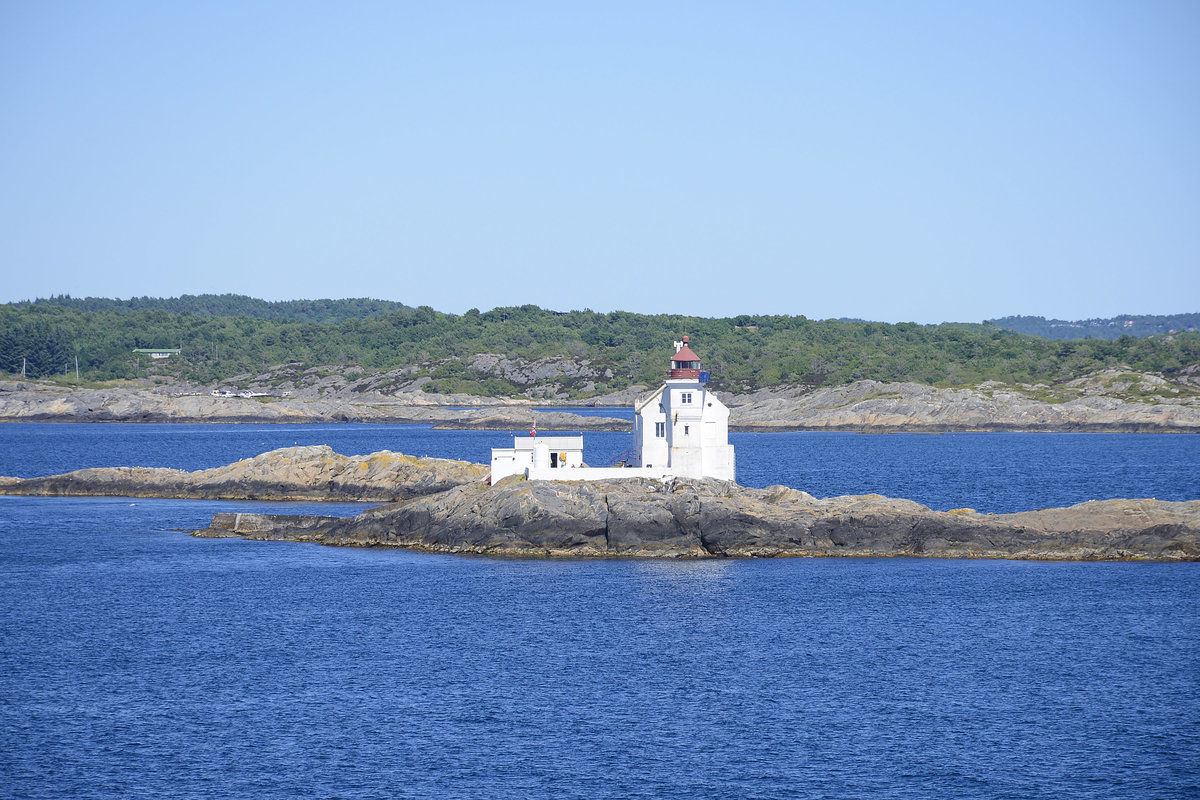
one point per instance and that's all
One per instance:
(685, 354)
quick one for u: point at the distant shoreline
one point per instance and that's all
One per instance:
(861, 407)
(605, 425)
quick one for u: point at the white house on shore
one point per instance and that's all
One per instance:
(537, 452)
(679, 431)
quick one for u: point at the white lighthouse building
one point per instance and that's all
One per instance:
(679, 431)
(683, 425)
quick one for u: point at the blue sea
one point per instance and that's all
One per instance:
(140, 662)
(991, 472)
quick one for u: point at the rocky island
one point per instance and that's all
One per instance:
(447, 506)
(292, 473)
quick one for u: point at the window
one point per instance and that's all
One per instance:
(686, 429)
(660, 429)
(685, 397)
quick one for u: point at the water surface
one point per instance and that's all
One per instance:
(145, 663)
(993, 472)
(141, 662)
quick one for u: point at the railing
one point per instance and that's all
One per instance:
(688, 374)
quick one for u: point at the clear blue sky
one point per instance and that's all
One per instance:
(890, 161)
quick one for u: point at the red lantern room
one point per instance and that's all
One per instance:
(684, 364)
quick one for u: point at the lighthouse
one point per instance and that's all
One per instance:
(683, 426)
(679, 431)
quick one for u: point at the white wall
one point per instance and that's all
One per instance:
(509, 461)
(517, 459)
(718, 460)
(598, 473)
(684, 426)
(649, 448)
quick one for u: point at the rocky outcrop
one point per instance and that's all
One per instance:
(874, 406)
(445, 506)
(699, 519)
(552, 378)
(291, 473)
(28, 402)
(1108, 401)
(541, 372)
(509, 419)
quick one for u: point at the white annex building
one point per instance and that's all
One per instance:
(679, 431)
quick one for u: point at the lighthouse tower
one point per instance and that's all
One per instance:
(683, 426)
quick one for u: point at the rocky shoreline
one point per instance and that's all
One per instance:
(1108, 402)
(293, 473)
(26, 402)
(1104, 404)
(445, 506)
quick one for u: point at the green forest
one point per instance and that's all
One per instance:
(1110, 328)
(233, 305)
(220, 338)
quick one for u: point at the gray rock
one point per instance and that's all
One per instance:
(445, 506)
(58, 404)
(291, 473)
(703, 519)
(874, 406)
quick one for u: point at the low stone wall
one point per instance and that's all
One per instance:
(596, 473)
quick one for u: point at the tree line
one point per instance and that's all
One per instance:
(743, 353)
(233, 305)
(1097, 328)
